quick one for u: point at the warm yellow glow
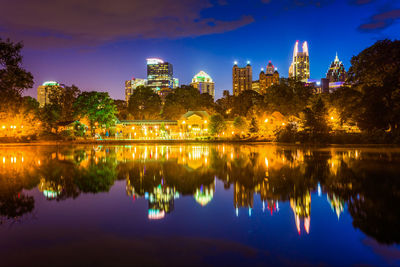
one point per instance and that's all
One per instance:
(205, 122)
(266, 120)
(183, 122)
(133, 127)
(283, 124)
(332, 118)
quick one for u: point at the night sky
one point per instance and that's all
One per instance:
(98, 44)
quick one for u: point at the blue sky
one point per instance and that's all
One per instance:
(97, 45)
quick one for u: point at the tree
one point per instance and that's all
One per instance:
(289, 97)
(13, 78)
(253, 128)
(144, 104)
(97, 107)
(245, 101)
(316, 119)
(186, 98)
(240, 124)
(374, 79)
(217, 124)
(63, 99)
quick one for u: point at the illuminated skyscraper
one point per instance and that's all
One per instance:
(270, 77)
(203, 82)
(241, 78)
(44, 90)
(159, 74)
(336, 72)
(131, 85)
(300, 67)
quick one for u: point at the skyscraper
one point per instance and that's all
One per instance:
(159, 74)
(300, 67)
(203, 82)
(241, 78)
(336, 72)
(44, 90)
(131, 85)
(270, 77)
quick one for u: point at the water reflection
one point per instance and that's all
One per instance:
(363, 181)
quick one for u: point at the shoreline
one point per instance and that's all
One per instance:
(138, 142)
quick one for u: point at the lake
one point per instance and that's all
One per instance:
(199, 204)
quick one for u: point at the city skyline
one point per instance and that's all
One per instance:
(211, 42)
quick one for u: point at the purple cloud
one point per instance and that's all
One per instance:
(380, 21)
(91, 22)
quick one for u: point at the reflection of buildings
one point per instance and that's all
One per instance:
(337, 205)
(48, 189)
(300, 67)
(204, 194)
(161, 201)
(301, 207)
(242, 196)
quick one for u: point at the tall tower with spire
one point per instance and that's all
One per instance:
(300, 67)
(336, 72)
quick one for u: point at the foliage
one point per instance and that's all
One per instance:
(62, 99)
(144, 104)
(253, 127)
(97, 107)
(315, 123)
(186, 98)
(13, 78)
(217, 124)
(373, 97)
(289, 97)
(240, 124)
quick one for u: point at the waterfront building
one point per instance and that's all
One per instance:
(159, 74)
(204, 83)
(241, 78)
(300, 67)
(336, 72)
(270, 77)
(44, 91)
(131, 85)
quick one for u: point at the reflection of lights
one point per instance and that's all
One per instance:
(237, 212)
(156, 214)
(183, 122)
(319, 189)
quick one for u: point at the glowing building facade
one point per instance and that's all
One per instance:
(336, 72)
(44, 90)
(270, 77)
(131, 86)
(300, 67)
(203, 82)
(159, 74)
(241, 78)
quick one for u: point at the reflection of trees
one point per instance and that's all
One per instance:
(96, 177)
(13, 202)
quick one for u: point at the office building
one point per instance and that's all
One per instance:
(159, 74)
(131, 85)
(270, 77)
(203, 82)
(241, 78)
(44, 91)
(336, 72)
(300, 67)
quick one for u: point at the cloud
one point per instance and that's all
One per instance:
(380, 21)
(91, 22)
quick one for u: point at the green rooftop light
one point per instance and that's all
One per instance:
(50, 83)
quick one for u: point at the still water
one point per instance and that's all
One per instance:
(199, 204)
